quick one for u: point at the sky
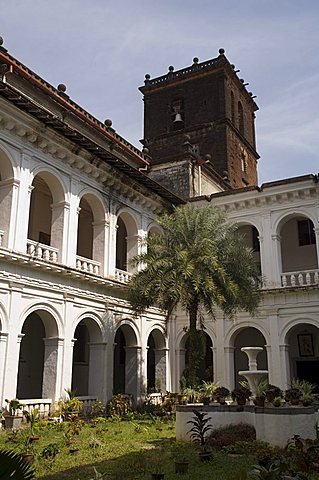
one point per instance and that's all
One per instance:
(102, 49)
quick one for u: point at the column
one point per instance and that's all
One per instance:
(133, 371)
(3, 351)
(316, 230)
(97, 367)
(161, 366)
(68, 345)
(59, 231)
(230, 367)
(51, 373)
(273, 351)
(180, 366)
(285, 367)
(112, 240)
(21, 220)
(8, 194)
(72, 227)
(100, 244)
(276, 263)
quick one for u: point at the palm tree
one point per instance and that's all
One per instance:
(198, 263)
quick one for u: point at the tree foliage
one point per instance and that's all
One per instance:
(199, 263)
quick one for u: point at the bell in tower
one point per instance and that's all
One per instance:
(211, 105)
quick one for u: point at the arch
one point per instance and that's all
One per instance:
(38, 357)
(8, 185)
(248, 336)
(234, 329)
(301, 344)
(156, 360)
(4, 321)
(51, 177)
(126, 360)
(88, 357)
(95, 322)
(206, 363)
(297, 243)
(126, 239)
(52, 319)
(289, 214)
(154, 229)
(91, 232)
(251, 238)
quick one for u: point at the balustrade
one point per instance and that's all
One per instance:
(42, 252)
(43, 405)
(300, 279)
(122, 276)
(1, 237)
(88, 265)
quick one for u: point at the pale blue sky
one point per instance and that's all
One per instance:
(102, 49)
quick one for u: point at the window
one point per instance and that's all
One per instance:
(243, 160)
(255, 239)
(306, 234)
(241, 125)
(232, 107)
(177, 115)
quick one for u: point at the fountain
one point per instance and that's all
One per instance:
(253, 375)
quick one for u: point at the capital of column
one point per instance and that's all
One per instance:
(104, 223)
(133, 347)
(276, 237)
(9, 182)
(30, 188)
(229, 349)
(62, 204)
(284, 348)
(53, 341)
(3, 337)
(20, 337)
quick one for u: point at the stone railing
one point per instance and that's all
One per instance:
(88, 401)
(300, 279)
(42, 404)
(88, 265)
(1, 237)
(42, 252)
(122, 276)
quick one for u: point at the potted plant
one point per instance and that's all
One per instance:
(14, 466)
(307, 399)
(26, 447)
(241, 395)
(180, 461)
(32, 418)
(306, 389)
(206, 391)
(272, 392)
(198, 434)
(293, 395)
(261, 389)
(13, 420)
(220, 394)
(191, 394)
(277, 401)
(71, 405)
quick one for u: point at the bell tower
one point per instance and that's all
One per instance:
(200, 121)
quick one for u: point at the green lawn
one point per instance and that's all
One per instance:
(124, 450)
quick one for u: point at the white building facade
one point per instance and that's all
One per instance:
(75, 205)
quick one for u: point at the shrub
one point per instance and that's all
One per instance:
(230, 434)
(118, 406)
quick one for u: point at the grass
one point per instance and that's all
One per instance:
(122, 450)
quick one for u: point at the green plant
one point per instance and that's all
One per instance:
(241, 394)
(191, 394)
(14, 405)
(231, 434)
(32, 418)
(304, 387)
(50, 451)
(307, 399)
(118, 406)
(259, 472)
(200, 429)
(293, 395)
(221, 393)
(207, 389)
(158, 384)
(261, 388)
(272, 392)
(277, 401)
(14, 467)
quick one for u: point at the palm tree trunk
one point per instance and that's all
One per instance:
(192, 343)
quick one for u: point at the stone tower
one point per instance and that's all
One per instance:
(199, 128)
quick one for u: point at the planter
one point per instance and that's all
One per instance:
(181, 466)
(157, 476)
(241, 401)
(12, 422)
(259, 401)
(221, 400)
(28, 457)
(205, 456)
(206, 400)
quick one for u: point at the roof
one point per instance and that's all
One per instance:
(27, 91)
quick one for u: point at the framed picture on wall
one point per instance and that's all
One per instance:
(305, 344)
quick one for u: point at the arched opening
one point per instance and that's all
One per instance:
(248, 337)
(88, 359)
(203, 358)
(90, 235)
(6, 195)
(303, 353)
(37, 370)
(156, 362)
(85, 230)
(232, 106)
(121, 245)
(251, 238)
(298, 251)
(126, 242)
(126, 362)
(46, 218)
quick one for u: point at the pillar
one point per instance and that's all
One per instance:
(3, 351)
(51, 372)
(230, 367)
(161, 366)
(59, 237)
(133, 371)
(285, 367)
(97, 367)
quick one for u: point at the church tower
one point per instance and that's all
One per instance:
(199, 128)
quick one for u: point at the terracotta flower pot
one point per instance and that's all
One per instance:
(181, 466)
